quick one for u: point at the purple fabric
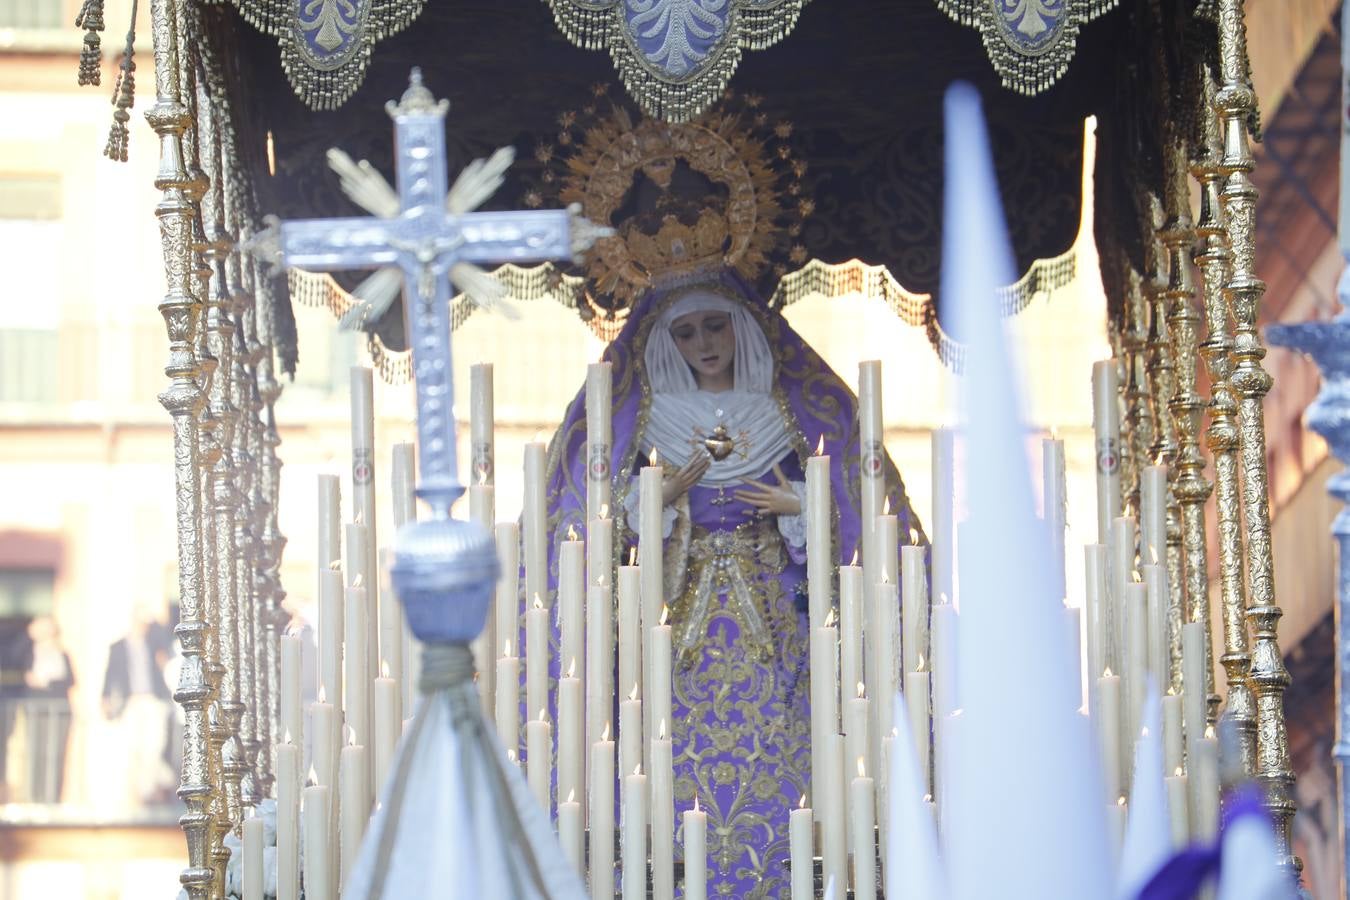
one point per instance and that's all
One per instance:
(741, 708)
(1182, 876)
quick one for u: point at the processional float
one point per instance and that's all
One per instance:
(222, 325)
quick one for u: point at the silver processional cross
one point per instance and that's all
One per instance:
(425, 240)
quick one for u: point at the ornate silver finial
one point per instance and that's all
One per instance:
(417, 99)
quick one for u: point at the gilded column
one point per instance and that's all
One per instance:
(257, 512)
(1138, 420)
(1269, 678)
(1213, 258)
(223, 498)
(181, 310)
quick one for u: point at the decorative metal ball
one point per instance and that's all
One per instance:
(444, 573)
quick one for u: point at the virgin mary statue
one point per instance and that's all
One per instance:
(733, 401)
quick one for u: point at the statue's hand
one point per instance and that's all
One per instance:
(778, 500)
(673, 487)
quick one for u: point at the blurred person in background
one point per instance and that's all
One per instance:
(50, 680)
(137, 698)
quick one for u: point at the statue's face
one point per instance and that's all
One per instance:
(706, 341)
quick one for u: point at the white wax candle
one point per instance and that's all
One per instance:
(1055, 504)
(329, 535)
(824, 704)
(482, 442)
(355, 803)
(1123, 537)
(1172, 731)
(571, 738)
(630, 734)
(914, 599)
(601, 817)
(850, 630)
(1117, 814)
(1204, 784)
(1106, 434)
(943, 535)
(696, 853)
(318, 859)
(324, 739)
(1095, 566)
(482, 511)
(1073, 628)
(506, 602)
(1159, 664)
(830, 810)
(916, 704)
(292, 715)
(599, 437)
(539, 762)
(288, 821)
(856, 715)
(1107, 717)
(599, 662)
(571, 597)
(571, 834)
(871, 464)
(943, 664)
(535, 518)
(388, 725)
(819, 570)
(536, 656)
(393, 629)
(650, 550)
(508, 702)
(1153, 515)
(1177, 812)
(331, 628)
(253, 859)
(357, 691)
(630, 632)
(861, 823)
(662, 817)
(600, 551)
(402, 481)
(1193, 683)
(888, 548)
(635, 836)
(887, 620)
(363, 501)
(1136, 660)
(802, 851)
(659, 676)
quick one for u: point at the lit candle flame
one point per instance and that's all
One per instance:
(927, 798)
(506, 647)
(349, 734)
(862, 690)
(572, 796)
(1137, 579)
(571, 532)
(637, 770)
(271, 155)
(335, 565)
(801, 804)
(1120, 801)
(511, 755)
(543, 714)
(829, 619)
(384, 668)
(1143, 732)
(820, 446)
(632, 556)
(1106, 673)
(654, 457)
(885, 577)
(914, 537)
(632, 695)
(286, 737)
(1209, 731)
(604, 735)
(1178, 772)
(358, 520)
(572, 668)
(312, 777)
(665, 614)
(921, 662)
(604, 511)
(855, 557)
(862, 770)
(661, 732)
(696, 803)
(1171, 692)
(356, 580)
(886, 507)
(1054, 432)
(538, 603)
(321, 695)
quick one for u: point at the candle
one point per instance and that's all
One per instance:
(916, 705)
(1159, 663)
(635, 836)
(1106, 436)
(819, 571)
(1055, 505)
(482, 443)
(1176, 809)
(571, 597)
(824, 704)
(856, 714)
(330, 634)
(539, 761)
(508, 699)
(850, 629)
(914, 597)
(1095, 565)
(696, 852)
(535, 518)
(323, 738)
(1171, 713)
(402, 480)
(1153, 514)
(944, 649)
(571, 834)
(357, 636)
(630, 631)
(288, 821)
(1116, 816)
(506, 603)
(662, 816)
(253, 859)
(802, 851)
(599, 662)
(536, 655)
(392, 627)
(1204, 785)
(944, 516)
(1073, 627)
(482, 512)
(1107, 715)
(363, 500)
(888, 655)
(659, 673)
(1136, 658)
(1122, 573)
(871, 468)
(599, 437)
(861, 823)
(1193, 683)
(318, 862)
(571, 736)
(600, 550)
(650, 549)
(830, 809)
(355, 803)
(601, 817)
(292, 717)
(388, 725)
(329, 548)
(630, 733)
